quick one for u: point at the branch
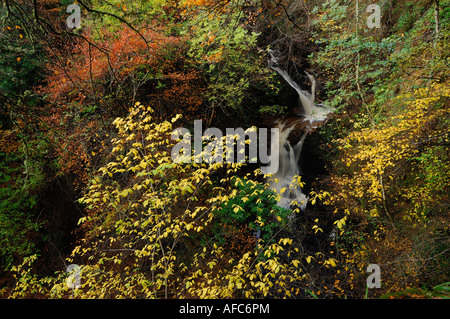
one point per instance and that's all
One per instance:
(289, 17)
(117, 17)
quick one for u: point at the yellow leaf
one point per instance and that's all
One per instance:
(134, 151)
(295, 262)
(143, 164)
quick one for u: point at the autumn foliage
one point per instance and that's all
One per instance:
(87, 177)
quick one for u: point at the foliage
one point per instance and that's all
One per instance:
(226, 51)
(379, 150)
(104, 72)
(353, 64)
(30, 284)
(21, 177)
(143, 210)
(21, 152)
(153, 228)
(389, 183)
(255, 206)
(20, 66)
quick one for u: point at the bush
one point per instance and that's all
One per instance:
(255, 206)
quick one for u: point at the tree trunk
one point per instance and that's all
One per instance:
(437, 22)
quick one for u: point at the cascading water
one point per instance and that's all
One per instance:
(282, 181)
(312, 113)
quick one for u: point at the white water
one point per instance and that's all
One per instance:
(312, 112)
(289, 156)
(282, 180)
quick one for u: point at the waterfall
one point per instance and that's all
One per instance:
(288, 168)
(289, 155)
(312, 113)
(305, 97)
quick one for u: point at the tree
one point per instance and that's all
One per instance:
(146, 215)
(389, 131)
